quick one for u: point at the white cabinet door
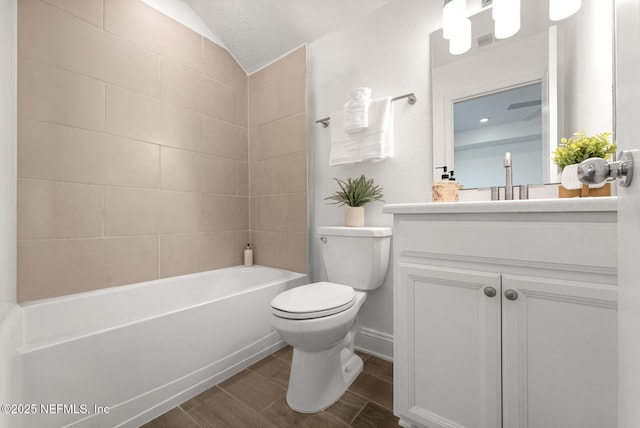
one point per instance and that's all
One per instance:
(447, 347)
(559, 353)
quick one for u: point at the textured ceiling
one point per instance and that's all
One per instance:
(257, 32)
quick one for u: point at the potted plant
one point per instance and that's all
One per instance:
(354, 193)
(571, 151)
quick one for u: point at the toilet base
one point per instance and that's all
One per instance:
(318, 379)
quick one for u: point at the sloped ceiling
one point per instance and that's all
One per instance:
(257, 32)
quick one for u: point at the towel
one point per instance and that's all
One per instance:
(356, 109)
(375, 143)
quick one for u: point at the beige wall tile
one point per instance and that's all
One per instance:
(58, 267)
(284, 174)
(197, 252)
(181, 44)
(291, 65)
(261, 180)
(221, 66)
(58, 210)
(197, 92)
(294, 173)
(265, 140)
(286, 213)
(220, 100)
(224, 139)
(195, 172)
(219, 175)
(296, 259)
(182, 86)
(88, 10)
(280, 137)
(293, 135)
(263, 106)
(61, 153)
(280, 249)
(54, 95)
(147, 212)
(242, 178)
(242, 109)
(180, 170)
(135, 21)
(138, 116)
(142, 24)
(49, 35)
(225, 213)
(292, 96)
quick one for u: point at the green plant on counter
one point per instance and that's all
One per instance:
(581, 147)
(355, 192)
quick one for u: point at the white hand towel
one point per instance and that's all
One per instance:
(372, 144)
(356, 109)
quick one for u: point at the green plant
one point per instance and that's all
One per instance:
(355, 192)
(581, 147)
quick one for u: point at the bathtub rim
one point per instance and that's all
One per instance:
(32, 342)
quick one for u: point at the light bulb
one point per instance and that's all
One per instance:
(561, 9)
(506, 14)
(453, 12)
(461, 40)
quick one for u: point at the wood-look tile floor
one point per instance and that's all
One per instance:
(255, 397)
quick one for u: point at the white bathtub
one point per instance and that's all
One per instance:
(141, 349)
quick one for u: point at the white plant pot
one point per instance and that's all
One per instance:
(569, 179)
(354, 216)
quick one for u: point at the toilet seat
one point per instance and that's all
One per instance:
(315, 300)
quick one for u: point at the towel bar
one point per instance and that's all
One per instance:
(411, 99)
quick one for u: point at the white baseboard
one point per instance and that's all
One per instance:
(375, 343)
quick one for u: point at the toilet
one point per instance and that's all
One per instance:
(317, 319)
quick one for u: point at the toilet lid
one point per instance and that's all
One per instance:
(315, 300)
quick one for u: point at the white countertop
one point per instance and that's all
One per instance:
(597, 204)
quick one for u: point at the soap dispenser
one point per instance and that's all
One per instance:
(446, 190)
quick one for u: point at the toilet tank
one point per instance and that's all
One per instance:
(356, 256)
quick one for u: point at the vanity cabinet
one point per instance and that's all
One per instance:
(505, 318)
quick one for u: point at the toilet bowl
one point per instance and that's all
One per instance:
(318, 319)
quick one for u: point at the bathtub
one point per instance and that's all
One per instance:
(124, 355)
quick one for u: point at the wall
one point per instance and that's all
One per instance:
(389, 52)
(132, 148)
(278, 162)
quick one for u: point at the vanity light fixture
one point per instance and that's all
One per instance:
(456, 27)
(561, 9)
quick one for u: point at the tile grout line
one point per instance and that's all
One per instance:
(265, 378)
(259, 413)
(188, 415)
(359, 411)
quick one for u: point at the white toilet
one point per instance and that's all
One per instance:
(317, 319)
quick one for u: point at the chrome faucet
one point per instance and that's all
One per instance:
(508, 189)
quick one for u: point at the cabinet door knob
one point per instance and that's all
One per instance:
(511, 294)
(489, 291)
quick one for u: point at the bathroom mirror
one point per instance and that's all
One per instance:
(521, 94)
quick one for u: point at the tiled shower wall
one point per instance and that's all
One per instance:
(133, 159)
(278, 162)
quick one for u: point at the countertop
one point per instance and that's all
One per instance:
(594, 204)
